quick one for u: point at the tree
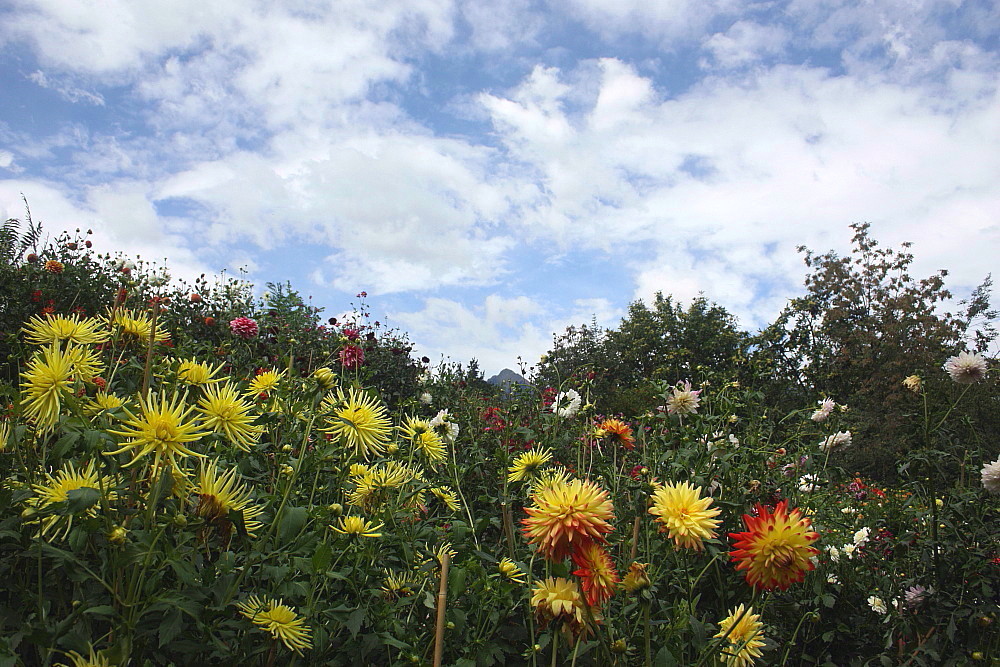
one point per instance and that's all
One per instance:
(864, 325)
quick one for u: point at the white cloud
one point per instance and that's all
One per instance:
(782, 158)
(746, 42)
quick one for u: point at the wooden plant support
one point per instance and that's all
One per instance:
(441, 601)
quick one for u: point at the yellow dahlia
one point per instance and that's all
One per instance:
(396, 586)
(221, 494)
(56, 489)
(684, 515)
(91, 660)
(371, 488)
(162, 428)
(224, 412)
(558, 599)
(264, 382)
(510, 570)
(527, 464)
(567, 515)
(597, 573)
(103, 402)
(776, 549)
(743, 634)
(50, 377)
(136, 326)
(325, 378)
(424, 439)
(447, 497)
(361, 423)
(278, 619)
(48, 329)
(616, 431)
(193, 372)
(356, 526)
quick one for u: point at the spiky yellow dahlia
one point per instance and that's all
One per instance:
(567, 515)
(447, 497)
(510, 570)
(224, 412)
(684, 515)
(194, 372)
(48, 379)
(776, 548)
(135, 326)
(361, 423)
(597, 573)
(356, 526)
(743, 634)
(221, 494)
(264, 382)
(91, 660)
(278, 619)
(527, 465)
(48, 329)
(161, 428)
(421, 435)
(56, 489)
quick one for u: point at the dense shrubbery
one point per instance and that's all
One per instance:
(252, 492)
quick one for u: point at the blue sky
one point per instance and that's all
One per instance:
(492, 172)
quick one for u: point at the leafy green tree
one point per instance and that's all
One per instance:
(863, 326)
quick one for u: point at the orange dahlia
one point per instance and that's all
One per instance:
(567, 514)
(776, 548)
(597, 573)
(617, 431)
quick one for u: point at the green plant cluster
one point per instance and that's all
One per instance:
(308, 519)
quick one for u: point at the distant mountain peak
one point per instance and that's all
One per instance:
(506, 377)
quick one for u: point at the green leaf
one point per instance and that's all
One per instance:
(171, 626)
(292, 521)
(355, 620)
(664, 658)
(100, 610)
(322, 558)
(82, 499)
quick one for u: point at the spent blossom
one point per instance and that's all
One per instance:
(826, 406)
(838, 440)
(966, 368)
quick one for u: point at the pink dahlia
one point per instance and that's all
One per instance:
(243, 327)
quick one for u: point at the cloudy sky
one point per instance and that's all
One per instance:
(490, 172)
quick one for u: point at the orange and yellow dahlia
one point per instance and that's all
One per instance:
(776, 548)
(617, 431)
(565, 515)
(597, 573)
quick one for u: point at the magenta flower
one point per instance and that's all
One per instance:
(352, 356)
(243, 327)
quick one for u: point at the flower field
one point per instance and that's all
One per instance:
(196, 476)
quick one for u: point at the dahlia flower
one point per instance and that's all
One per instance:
(617, 431)
(878, 605)
(913, 383)
(567, 515)
(597, 573)
(966, 368)
(278, 619)
(838, 440)
(684, 515)
(776, 548)
(743, 634)
(826, 406)
(683, 401)
(991, 476)
(244, 327)
(567, 403)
